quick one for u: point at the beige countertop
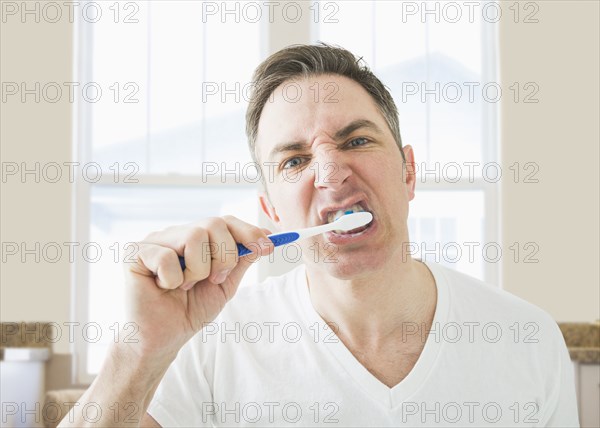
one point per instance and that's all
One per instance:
(26, 335)
(583, 341)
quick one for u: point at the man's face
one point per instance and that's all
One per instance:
(330, 148)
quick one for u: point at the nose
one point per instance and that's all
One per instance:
(331, 170)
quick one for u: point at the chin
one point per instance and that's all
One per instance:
(348, 268)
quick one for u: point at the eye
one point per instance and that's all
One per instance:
(361, 141)
(291, 163)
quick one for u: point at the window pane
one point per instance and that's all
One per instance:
(353, 29)
(119, 60)
(127, 214)
(176, 69)
(190, 75)
(401, 63)
(232, 53)
(455, 240)
(455, 76)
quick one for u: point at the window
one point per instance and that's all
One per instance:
(168, 136)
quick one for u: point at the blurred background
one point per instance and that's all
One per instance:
(119, 118)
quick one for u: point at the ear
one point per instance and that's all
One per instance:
(408, 171)
(267, 207)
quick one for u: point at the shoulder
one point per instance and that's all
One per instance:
(522, 343)
(527, 330)
(472, 297)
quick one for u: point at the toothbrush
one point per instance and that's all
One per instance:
(350, 220)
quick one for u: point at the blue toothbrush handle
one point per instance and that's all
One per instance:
(283, 238)
(277, 240)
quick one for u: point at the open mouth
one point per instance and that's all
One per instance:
(334, 215)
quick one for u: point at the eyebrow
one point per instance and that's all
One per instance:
(339, 135)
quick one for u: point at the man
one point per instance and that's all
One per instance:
(361, 334)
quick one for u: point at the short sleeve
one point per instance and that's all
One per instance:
(183, 397)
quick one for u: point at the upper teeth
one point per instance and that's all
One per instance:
(334, 215)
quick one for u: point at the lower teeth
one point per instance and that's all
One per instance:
(351, 232)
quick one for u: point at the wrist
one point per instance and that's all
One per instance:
(129, 360)
(130, 376)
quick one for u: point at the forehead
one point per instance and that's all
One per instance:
(300, 110)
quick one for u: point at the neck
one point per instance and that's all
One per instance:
(369, 312)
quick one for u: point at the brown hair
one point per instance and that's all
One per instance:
(314, 60)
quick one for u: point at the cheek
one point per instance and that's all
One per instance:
(292, 196)
(387, 180)
(385, 170)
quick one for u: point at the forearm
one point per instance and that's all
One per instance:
(121, 393)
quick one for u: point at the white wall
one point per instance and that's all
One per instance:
(560, 134)
(35, 132)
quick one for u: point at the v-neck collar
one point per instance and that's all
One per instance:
(390, 397)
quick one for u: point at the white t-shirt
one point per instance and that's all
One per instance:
(269, 359)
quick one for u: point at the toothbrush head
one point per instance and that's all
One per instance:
(352, 220)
